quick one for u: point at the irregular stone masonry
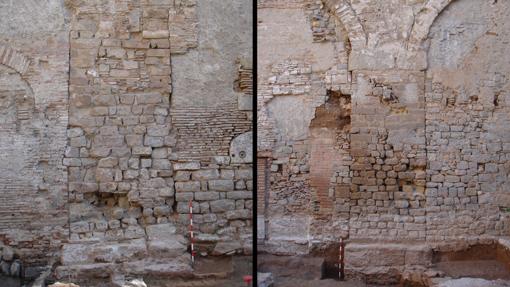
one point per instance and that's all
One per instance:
(424, 158)
(120, 132)
(105, 160)
(149, 159)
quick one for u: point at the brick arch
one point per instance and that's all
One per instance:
(343, 10)
(423, 21)
(13, 59)
(21, 91)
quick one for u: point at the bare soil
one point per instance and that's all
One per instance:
(486, 269)
(293, 282)
(489, 262)
(293, 271)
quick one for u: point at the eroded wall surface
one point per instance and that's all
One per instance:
(33, 126)
(389, 126)
(116, 116)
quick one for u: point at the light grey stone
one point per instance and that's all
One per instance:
(222, 205)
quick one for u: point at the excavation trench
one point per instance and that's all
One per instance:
(394, 264)
(489, 262)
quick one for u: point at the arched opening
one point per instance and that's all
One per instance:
(19, 141)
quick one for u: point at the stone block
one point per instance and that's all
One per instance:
(15, 270)
(108, 162)
(170, 247)
(184, 196)
(221, 160)
(189, 186)
(161, 34)
(7, 253)
(226, 248)
(239, 214)
(160, 231)
(245, 102)
(241, 148)
(148, 98)
(162, 210)
(142, 150)
(244, 173)
(239, 195)
(5, 267)
(222, 205)
(163, 164)
(221, 185)
(205, 174)
(192, 165)
(207, 196)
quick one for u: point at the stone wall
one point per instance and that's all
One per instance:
(302, 54)
(467, 121)
(423, 157)
(33, 126)
(116, 115)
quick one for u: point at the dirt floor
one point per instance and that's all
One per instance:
(486, 269)
(290, 271)
(289, 282)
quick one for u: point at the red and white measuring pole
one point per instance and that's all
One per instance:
(191, 232)
(341, 262)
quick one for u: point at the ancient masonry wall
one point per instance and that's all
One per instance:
(115, 138)
(33, 125)
(419, 149)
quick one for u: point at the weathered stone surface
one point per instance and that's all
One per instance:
(101, 134)
(187, 166)
(7, 253)
(380, 127)
(169, 247)
(222, 205)
(135, 283)
(160, 231)
(59, 284)
(73, 254)
(264, 279)
(15, 269)
(241, 148)
(179, 267)
(5, 267)
(161, 34)
(229, 248)
(221, 185)
(474, 282)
